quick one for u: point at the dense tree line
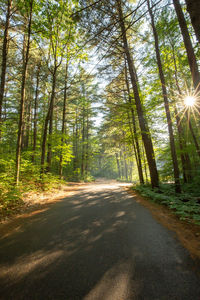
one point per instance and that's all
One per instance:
(46, 96)
(152, 51)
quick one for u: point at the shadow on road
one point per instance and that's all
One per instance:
(97, 244)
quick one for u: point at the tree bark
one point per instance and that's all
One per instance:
(87, 144)
(35, 113)
(83, 144)
(166, 103)
(193, 8)
(4, 58)
(188, 46)
(63, 121)
(21, 109)
(75, 143)
(146, 137)
(118, 165)
(137, 147)
(47, 119)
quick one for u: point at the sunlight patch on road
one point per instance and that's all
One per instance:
(115, 284)
(120, 214)
(25, 265)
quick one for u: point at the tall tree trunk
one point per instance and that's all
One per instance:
(21, 109)
(135, 150)
(188, 45)
(63, 121)
(145, 165)
(4, 58)
(125, 164)
(48, 117)
(185, 159)
(146, 137)
(35, 113)
(139, 162)
(122, 165)
(166, 103)
(87, 145)
(75, 139)
(118, 165)
(193, 8)
(27, 127)
(83, 144)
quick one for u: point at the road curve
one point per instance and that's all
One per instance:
(97, 244)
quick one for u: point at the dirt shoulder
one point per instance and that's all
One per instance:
(187, 233)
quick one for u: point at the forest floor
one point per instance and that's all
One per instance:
(34, 202)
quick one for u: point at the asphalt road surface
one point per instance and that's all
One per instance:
(97, 244)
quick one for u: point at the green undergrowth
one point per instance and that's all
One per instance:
(185, 205)
(11, 196)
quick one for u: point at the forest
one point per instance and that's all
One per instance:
(105, 88)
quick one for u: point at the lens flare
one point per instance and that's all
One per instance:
(189, 101)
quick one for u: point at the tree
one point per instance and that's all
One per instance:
(166, 103)
(193, 8)
(188, 46)
(29, 8)
(142, 121)
(4, 57)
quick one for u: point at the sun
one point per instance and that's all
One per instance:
(189, 101)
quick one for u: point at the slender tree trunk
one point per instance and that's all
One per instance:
(122, 165)
(49, 152)
(4, 58)
(125, 165)
(135, 150)
(21, 109)
(47, 119)
(83, 144)
(146, 137)
(87, 145)
(35, 113)
(27, 127)
(188, 45)
(118, 165)
(139, 162)
(185, 160)
(63, 121)
(193, 8)
(145, 165)
(75, 161)
(166, 103)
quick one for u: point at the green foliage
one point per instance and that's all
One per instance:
(10, 195)
(185, 205)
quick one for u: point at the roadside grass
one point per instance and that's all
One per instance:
(185, 205)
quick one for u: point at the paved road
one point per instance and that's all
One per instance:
(98, 244)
